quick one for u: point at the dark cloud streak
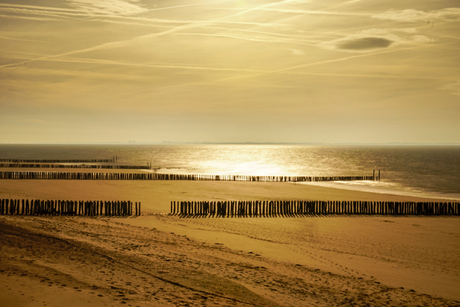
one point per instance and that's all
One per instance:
(365, 43)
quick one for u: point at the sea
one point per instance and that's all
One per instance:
(425, 171)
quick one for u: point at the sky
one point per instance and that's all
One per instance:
(292, 71)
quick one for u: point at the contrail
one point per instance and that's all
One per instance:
(321, 63)
(288, 69)
(28, 17)
(372, 76)
(189, 25)
(310, 12)
(35, 7)
(168, 66)
(18, 39)
(347, 58)
(258, 8)
(101, 46)
(224, 69)
(186, 5)
(55, 12)
(253, 38)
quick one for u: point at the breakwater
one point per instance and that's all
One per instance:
(113, 160)
(90, 166)
(288, 208)
(68, 207)
(157, 176)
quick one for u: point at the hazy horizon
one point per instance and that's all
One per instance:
(287, 72)
(390, 144)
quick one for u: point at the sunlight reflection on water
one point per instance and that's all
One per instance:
(409, 169)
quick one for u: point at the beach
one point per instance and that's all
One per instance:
(229, 153)
(160, 260)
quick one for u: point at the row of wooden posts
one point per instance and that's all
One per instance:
(113, 160)
(266, 208)
(101, 166)
(157, 176)
(69, 207)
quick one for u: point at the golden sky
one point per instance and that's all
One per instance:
(329, 71)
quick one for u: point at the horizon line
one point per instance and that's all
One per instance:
(242, 143)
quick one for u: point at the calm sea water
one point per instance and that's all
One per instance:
(410, 170)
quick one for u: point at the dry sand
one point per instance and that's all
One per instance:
(161, 260)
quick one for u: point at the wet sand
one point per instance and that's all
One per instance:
(162, 260)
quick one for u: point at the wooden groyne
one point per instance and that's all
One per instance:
(68, 207)
(113, 160)
(287, 208)
(157, 176)
(89, 166)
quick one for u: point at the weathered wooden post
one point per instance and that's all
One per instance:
(206, 208)
(27, 207)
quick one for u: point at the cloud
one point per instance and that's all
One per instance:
(80, 9)
(454, 88)
(105, 12)
(374, 39)
(409, 15)
(364, 43)
(119, 7)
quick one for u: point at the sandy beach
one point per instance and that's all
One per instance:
(229, 153)
(161, 260)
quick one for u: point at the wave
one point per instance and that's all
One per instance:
(384, 187)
